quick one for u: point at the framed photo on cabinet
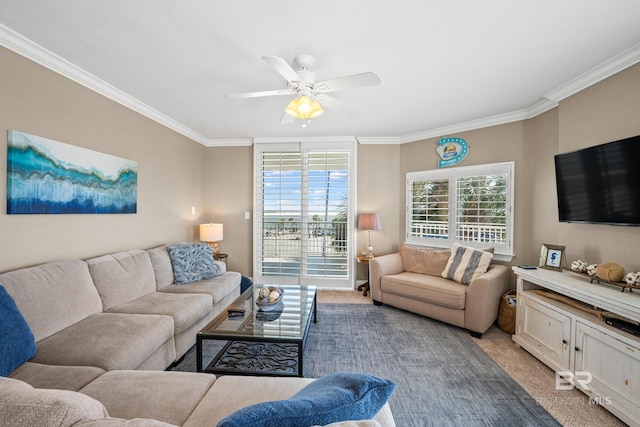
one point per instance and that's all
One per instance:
(552, 257)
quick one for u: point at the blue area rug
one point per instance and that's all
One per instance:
(443, 378)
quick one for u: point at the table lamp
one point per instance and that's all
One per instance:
(212, 234)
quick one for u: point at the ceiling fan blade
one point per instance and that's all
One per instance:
(282, 67)
(348, 82)
(336, 105)
(287, 119)
(259, 94)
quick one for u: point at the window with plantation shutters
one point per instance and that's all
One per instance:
(468, 205)
(303, 214)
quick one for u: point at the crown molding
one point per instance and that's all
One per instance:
(308, 139)
(237, 142)
(596, 74)
(389, 140)
(538, 108)
(27, 48)
(33, 51)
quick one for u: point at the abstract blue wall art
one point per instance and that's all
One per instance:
(50, 177)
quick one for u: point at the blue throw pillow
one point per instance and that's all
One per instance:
(192, 263)
(329, 399)
(17, 344)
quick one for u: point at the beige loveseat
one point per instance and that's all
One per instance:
(412, 279)
(106, 328)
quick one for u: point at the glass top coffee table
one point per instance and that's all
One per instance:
(267, 343)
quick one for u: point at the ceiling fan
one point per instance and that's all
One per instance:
(310, 96)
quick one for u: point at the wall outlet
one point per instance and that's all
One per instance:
(247, 215)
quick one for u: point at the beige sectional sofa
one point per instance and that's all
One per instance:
(412, 279)
(106, 329)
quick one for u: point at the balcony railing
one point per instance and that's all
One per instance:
(468, 232)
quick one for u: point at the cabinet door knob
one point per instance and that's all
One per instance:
(577, 349)
(564, 341)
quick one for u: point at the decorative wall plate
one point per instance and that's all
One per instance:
(452, 151)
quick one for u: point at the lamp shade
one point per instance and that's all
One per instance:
(210, 232)
(369, 221)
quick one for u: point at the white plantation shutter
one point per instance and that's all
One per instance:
(466, 205)
(304, 205)
(281, 212)
(481, 206)
(428, 210)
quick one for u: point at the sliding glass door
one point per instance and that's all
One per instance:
(303, 229)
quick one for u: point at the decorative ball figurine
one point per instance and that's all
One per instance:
(264, 293)
(632, 278)
(273, 296)
(579, 266)
(591, 269)
(610, 271)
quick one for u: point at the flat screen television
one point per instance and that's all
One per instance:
(600, 184)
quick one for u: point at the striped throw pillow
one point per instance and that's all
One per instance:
(466, 264)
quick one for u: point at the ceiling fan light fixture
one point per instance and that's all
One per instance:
(292, 108)
(316, 109)
(304, 108)
(304, 105)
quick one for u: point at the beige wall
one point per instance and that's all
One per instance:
(605, 112)
(494, 144)
(176, 174)
(541, 144)
(170, 169)
(602, 113)
(229, 194)
(378, 182)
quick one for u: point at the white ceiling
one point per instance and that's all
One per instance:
(446, 66)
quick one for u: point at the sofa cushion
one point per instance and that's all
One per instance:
(186, 309)
(466, 264)
(192, 263)
(424, 261)
(119, 422)
(218, 287)
(71, 378)
(162, 268)
(40, 291)
(109, 341)
(168, 396)
(424, 287)
(23, 405)
(17, 344)
(122, 277)
(331, 398)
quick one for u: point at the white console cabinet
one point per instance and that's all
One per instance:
(604, 361)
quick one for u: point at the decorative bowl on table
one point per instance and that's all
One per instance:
(268, 298)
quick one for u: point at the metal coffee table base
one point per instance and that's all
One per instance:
(258, 358)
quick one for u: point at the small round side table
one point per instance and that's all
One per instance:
(365, 286)
(220, 257)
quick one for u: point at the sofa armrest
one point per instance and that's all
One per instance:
(222, 266)
(382, 266)
(483, 298)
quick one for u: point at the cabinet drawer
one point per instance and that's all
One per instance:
(548, 330)
(614, 365)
